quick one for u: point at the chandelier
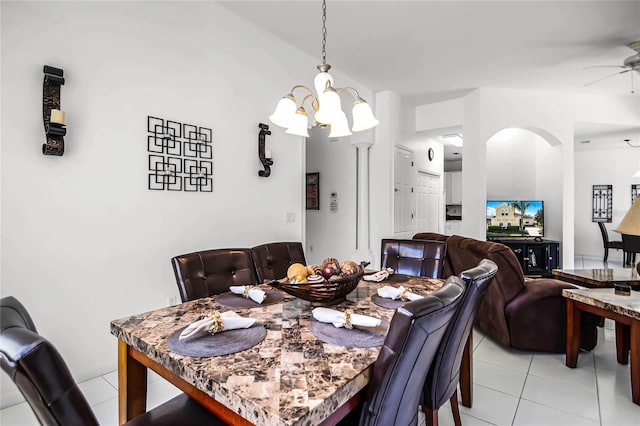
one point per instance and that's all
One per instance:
(325, 102)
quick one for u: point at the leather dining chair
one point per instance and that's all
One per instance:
(424, 258)
(444, 375)
(206, 273)
(617, 245)
(43, 378)
(399, 372)
(272, 260)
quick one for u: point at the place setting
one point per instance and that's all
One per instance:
(387, 275)
(348, 329)
(217, 334)
(393, 297)
(248, 296)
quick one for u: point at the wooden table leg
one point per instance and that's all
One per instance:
(466, 372)
(132, 385)
(634, 346)
(573, 334)
(622, 343)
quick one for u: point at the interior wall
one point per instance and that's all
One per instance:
(523, 166)
(331, 233)
(591, 170)
(83, 239)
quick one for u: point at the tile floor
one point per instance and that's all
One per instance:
(510, 387)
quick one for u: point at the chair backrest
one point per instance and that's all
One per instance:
(272, 260)
(424, 258)
(444, 374)
(38, 370)
(209, 272)
(402, 365)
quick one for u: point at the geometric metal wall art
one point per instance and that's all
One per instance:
(602, 203)
(179, 156)
(635, 192)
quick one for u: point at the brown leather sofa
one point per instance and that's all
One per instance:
(517, 312)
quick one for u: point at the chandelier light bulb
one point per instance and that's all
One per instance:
(363, 118)
(330, 106)
(299, 124)
(285, 111)
(340, 126)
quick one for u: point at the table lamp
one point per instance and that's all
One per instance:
(630, 225)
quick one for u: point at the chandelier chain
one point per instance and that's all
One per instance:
(324, 31)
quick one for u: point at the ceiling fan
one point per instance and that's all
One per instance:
(632, 63)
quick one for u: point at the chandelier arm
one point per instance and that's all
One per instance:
(343, 89)
(628, 141)
(314, 101)
(301, 86)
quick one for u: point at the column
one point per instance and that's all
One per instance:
(363, 241)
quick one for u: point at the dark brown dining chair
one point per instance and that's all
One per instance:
(210, 272)
(43, 378)
(398, 375)
(444, 375)
(423, 258)
(617, 245)
(272, 260)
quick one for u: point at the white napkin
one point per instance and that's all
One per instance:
(230, 321)
(377, 277)
(255, 293)
(337, 318)
(394, 293)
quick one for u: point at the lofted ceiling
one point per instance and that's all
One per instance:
(428, 51)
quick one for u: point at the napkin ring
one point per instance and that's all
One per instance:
(347, 319)
(217, 325)
(404, 294)
(245, 293)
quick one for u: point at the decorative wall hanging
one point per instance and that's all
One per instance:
(52, 116)
(178, 156)
(602, 203)
(635, 192)
(264, 155)
(313, 191)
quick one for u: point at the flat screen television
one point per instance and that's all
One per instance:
(515, 219)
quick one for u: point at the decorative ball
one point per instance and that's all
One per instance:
(348, 268)
(329, 270)
(331, 261)
(297, 269)
(315, 279)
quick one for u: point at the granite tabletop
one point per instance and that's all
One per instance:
(599, 277)
(290, 378)
(605, 298)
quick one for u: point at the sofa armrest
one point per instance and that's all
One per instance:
(537, 317)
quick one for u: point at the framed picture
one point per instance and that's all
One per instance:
(635, 192)
(313, 191)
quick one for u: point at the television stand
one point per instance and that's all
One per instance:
(537, 258)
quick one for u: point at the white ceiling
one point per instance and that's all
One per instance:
(432, 50)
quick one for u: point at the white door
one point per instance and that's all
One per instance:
(427, 203)
(402, 211)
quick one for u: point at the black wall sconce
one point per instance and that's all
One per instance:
(264, 156)
(52, 116)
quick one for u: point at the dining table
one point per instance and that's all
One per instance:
(293, 376)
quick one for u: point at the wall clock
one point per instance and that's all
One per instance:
(430, 154)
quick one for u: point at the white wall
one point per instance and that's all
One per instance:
(523, 166)
(83, 239)
(331, 234)
(591, 170)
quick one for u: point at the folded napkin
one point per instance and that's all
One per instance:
(345, 319)
(215, 323)
(251, 292)
(394, 293)
(377, 277)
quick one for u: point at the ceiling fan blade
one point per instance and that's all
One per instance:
(604, 66)
(606, 76)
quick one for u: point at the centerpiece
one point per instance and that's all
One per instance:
(326, 283)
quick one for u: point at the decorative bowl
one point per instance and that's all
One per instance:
(326, 292)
